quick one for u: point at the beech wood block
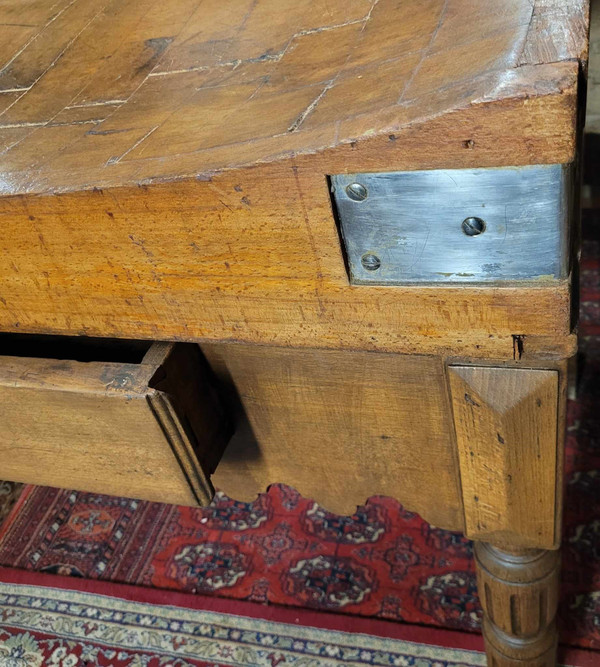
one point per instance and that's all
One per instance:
(167, 174)
(164, 166)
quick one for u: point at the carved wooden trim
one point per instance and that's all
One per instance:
(519, 596)
(505, 651)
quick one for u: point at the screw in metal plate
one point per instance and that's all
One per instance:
(473, 226)
(357, 191)
(370, 262)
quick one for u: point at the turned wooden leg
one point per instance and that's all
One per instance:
(519, 596)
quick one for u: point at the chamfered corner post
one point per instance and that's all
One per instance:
(508, 423)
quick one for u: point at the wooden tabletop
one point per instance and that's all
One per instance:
(97, 93)
(171, 158)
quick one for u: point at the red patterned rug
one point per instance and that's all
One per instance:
(283, 549)
(65, 621)
(50, 620)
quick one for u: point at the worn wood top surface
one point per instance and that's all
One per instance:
(97, 93)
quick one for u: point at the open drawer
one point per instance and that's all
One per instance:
(127, 418)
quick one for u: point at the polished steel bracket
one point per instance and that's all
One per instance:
(455, 225)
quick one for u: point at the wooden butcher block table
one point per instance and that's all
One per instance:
(344, 231)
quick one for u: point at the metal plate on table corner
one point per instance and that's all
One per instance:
(455, 225)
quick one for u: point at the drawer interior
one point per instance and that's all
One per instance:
(76, 348)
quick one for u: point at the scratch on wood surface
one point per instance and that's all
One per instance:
(23, 89)
(34, 37)
(265, 57)
(274, 57)
(11, 126)
(330, 84)
(246, 16)
(89, 121)
(114, 160)
(123, 108)
(368, 16)
(104, 133)
(311, 240)
(230, 63)
(101, 103)
(425, 53)
(53, 63)
(263, 81)
(312, 106)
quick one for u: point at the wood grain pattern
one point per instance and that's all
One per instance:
(251, 257)
(506, 424)
(163, 176)
(101, 427)
(557, 31)
(519, 593)
(340, 427)
(101, 94)
(164, 163)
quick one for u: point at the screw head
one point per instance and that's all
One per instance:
(370, 262)
(357, 191)
(473, 226)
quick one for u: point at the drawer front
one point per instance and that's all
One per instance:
(152, 429)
